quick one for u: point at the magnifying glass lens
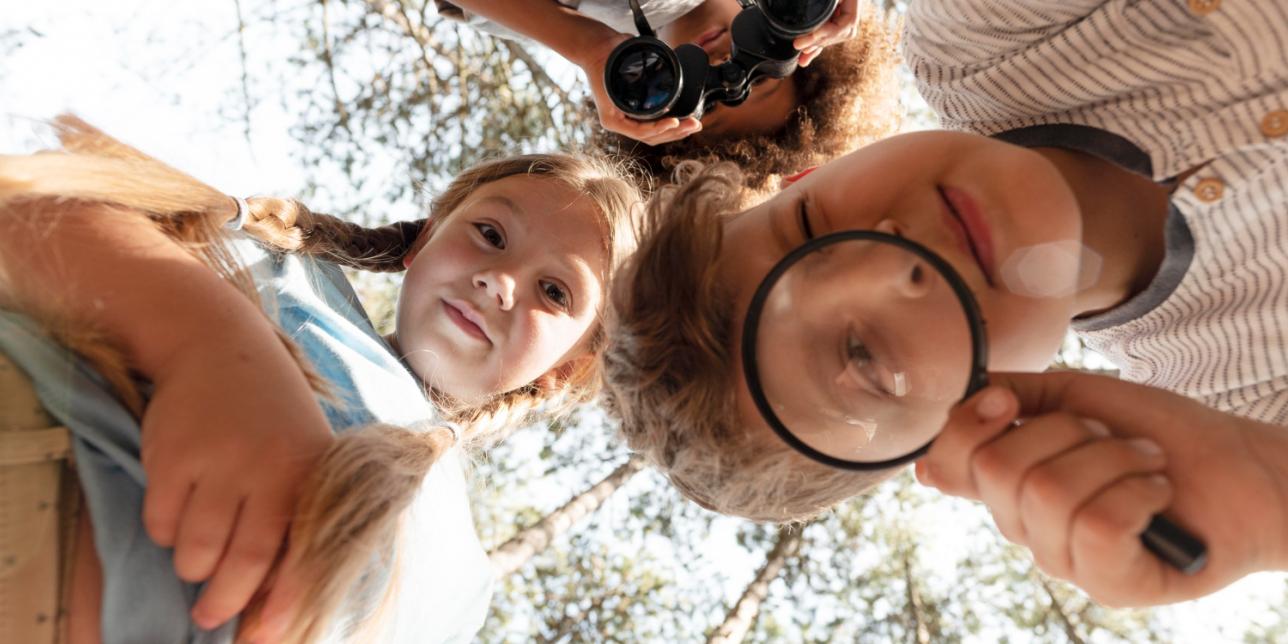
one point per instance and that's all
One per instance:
(862, 347)
(643, 79)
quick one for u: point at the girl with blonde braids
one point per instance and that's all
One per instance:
(217, 380)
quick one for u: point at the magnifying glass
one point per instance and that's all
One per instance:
(858, 344)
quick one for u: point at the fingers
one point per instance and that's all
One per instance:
(163, 503)
(260, 533)
(1053, 492)
(1002, 466)
(842, 26)
(1108, 559)
(972, 424)
(279, 606)
(204, 530)
(652, 132)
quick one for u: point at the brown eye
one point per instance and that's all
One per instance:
(491, 235)
(556, 294)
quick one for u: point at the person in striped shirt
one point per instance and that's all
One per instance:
(1153, 137)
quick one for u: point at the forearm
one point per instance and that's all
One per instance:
(564, 30)
(156, 301)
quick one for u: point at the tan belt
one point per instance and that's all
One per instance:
(39, 501)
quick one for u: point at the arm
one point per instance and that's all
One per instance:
(585, 43)
(1095, 458)
(232, 423)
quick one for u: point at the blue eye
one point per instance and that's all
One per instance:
(556, 294)
(491, 234)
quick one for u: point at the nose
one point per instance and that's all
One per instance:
(498, 284)
(906, 272)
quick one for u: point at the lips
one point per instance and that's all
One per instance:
(971, 226)
(709, 37)
(467, 319)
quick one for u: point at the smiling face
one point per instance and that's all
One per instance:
(981, 205)
(771, 101)
(507, 288)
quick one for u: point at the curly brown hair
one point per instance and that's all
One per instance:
(848, 98)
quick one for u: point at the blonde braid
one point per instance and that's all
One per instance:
(348, 517)
(290, 226)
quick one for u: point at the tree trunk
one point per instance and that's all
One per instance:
(920, 632)
(743, 614)
(1070, 630)
(511, 555)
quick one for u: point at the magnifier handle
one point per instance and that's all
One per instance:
(1171, 543)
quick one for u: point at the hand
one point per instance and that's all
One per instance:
(230, 432)
(840, 28)
(1094, 459)
(664, 130)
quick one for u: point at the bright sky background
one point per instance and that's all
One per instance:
(165, 76)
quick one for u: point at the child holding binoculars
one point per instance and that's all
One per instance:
(841, 94)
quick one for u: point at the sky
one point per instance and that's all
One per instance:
(166, 77)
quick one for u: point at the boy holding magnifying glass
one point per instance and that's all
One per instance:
(1132, 185)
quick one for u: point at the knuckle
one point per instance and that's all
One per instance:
(1042, 487)
(1100, 525)
(990, 463)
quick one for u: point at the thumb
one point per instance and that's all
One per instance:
(1117, 402)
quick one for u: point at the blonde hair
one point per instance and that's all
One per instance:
(669, 367)
(289, 225)
(349, 511)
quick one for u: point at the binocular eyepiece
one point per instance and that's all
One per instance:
(648, 80)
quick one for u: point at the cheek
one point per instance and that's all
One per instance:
(1025, 333)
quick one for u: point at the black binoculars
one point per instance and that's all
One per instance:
(648, 80)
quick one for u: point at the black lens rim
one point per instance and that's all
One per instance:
(611, 65)
(795, 31)
(751, 324)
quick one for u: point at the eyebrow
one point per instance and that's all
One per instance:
(505, 202)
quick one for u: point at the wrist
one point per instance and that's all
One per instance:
(1269, 446)
(590, 53)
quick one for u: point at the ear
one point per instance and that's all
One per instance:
(560, 376)
(419, 244)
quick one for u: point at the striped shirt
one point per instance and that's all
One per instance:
(1159, 87)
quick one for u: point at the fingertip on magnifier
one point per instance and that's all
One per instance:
(992, 403)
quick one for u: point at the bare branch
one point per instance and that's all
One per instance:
(245, 82)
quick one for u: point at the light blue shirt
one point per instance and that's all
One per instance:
(444, 578)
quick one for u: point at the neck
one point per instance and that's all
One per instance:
(1122, 221)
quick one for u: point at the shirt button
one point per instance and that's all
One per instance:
(1275, 124)
(1204, 7)
(1209, 190)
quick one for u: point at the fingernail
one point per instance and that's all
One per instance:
(1096, 427)
(1145, 446)
(991, 405)
(1159, 480)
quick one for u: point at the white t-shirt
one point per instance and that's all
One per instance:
(614, 13)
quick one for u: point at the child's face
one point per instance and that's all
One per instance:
(506, 289)
(772, 100)
(901, 185)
